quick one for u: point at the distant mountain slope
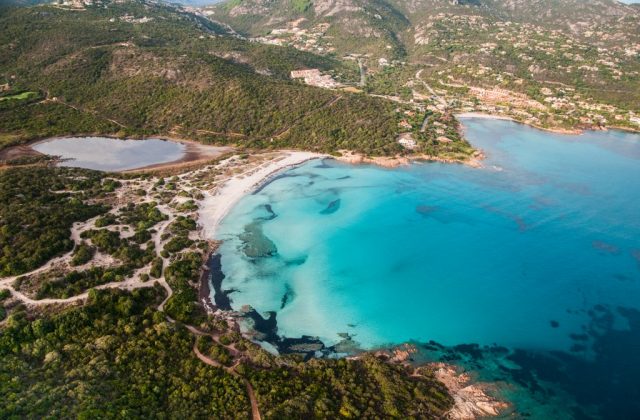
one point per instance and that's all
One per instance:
(589, 49)
(22, 2)
(385, 19)
(354, 25)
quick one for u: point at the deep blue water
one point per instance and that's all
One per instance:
(526, 271)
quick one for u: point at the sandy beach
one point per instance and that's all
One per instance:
(215, 206)
(482, 115)
(557, 130)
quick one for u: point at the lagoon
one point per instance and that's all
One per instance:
(109, 154)
(526, 271)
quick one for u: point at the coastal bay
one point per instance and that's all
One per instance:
(435, 266)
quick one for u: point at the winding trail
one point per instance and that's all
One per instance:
(81, 110)
(231, 191)
(255, 411)
(238, 185)
(363, 73)
(157, 241)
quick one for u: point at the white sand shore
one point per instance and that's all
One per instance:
(483, 115)
(214, 207)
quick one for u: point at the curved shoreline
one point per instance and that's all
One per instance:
(567, 131)
(471, 398)
(216, 205)
(194, 152)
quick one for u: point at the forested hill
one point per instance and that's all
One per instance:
(140, 68)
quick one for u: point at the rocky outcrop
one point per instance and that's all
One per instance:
(471, 399)
(334, 7)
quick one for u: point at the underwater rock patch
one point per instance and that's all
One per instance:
(255, 244)
(333, 207)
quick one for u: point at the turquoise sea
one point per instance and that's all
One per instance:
(526, 272)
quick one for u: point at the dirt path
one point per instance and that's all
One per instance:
(244, 181)
(157, 241)
(205, 359)
(440, 99)
(255, 411)
(130, 284)
(59, 101)
(363, 73)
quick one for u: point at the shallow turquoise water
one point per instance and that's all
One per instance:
(534, 261)
(108, 154)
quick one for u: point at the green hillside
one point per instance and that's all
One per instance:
(143, 69)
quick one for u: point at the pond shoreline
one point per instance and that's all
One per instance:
(194, 152)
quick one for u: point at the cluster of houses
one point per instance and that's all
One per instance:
(499, 95)
(299, 38)
(314, 77)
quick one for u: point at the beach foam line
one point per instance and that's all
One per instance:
(214, 207)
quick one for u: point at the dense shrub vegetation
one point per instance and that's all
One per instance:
(367, 388)
(142, 216)
(37, 208)
(114, 357)
(172, 77)
(77, 282)
(182, 275)
(82, 254)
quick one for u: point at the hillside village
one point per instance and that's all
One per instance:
(474, 62)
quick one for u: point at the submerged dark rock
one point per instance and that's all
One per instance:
(268, 181)
(266, 329)
(220, 297)
(271, 214)
(255, 244)
(323, 164)
(333, 207)
(296, 261)
(287, 297)
(471, 350)
(425, 210)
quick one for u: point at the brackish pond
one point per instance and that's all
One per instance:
(526, 271)
(108, 154)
